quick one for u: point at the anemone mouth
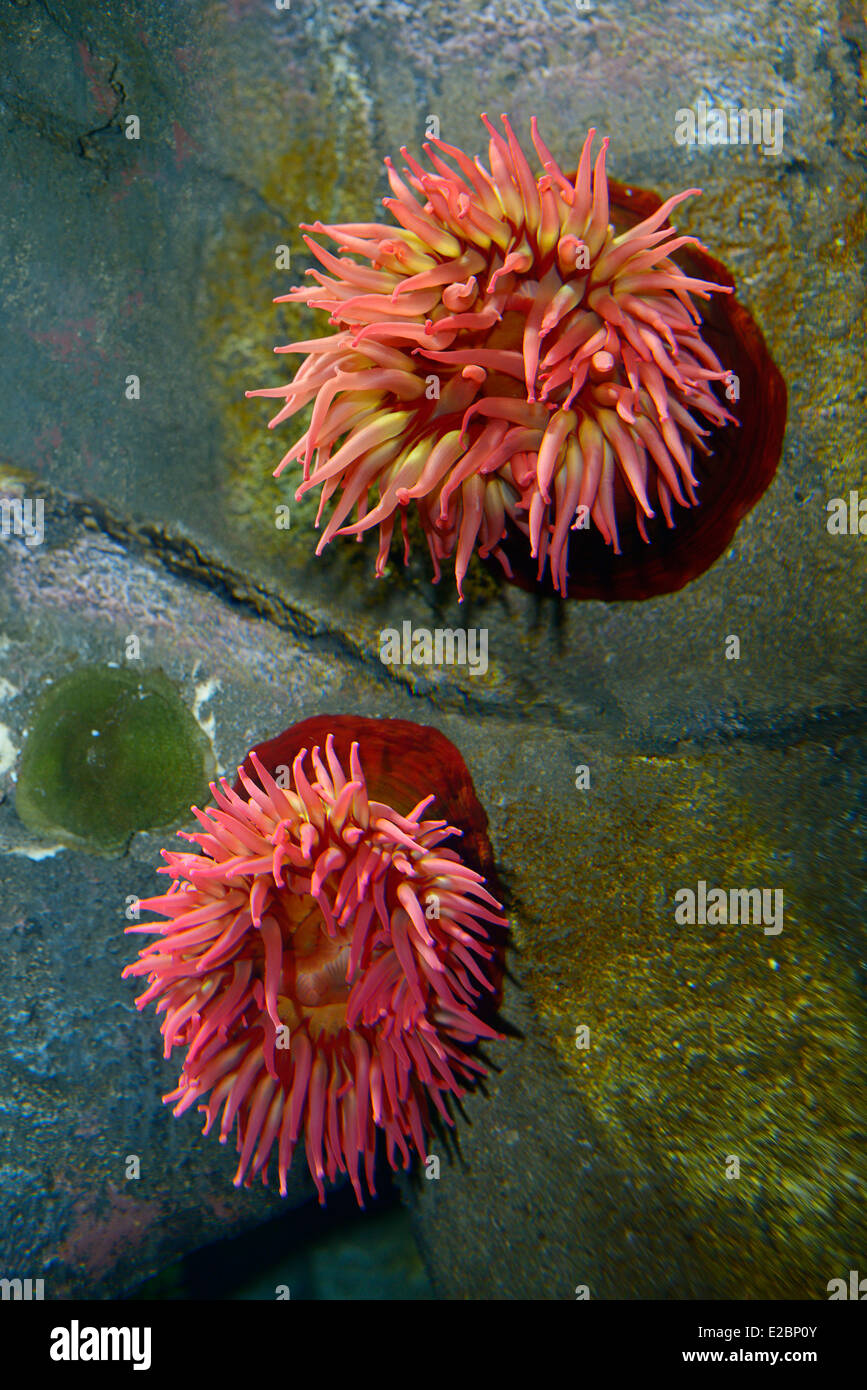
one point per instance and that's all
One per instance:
(314, 988)
(732, 478)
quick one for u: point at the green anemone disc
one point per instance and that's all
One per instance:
(110, 752)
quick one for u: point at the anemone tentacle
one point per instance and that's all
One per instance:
(302, 969)
(504, 310)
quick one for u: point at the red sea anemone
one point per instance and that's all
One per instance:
(325, 952)
(521, 358)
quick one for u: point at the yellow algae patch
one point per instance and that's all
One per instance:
(721, 1061)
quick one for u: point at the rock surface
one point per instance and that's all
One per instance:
(155, 258)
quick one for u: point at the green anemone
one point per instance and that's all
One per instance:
(110, 751)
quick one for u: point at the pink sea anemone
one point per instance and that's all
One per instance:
(325, 952)
(506, 360)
